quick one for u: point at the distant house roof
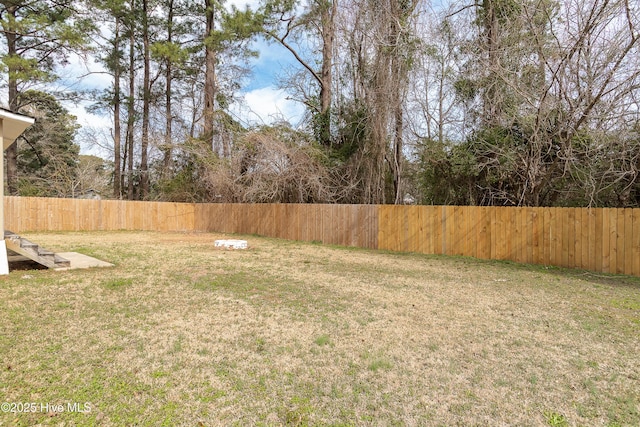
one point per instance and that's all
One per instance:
(13, 125)
(90, 194)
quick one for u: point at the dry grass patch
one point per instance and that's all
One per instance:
(287, 333)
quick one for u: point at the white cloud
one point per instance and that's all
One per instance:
(94, 136)
(268, 105)
(80, 74)
(263, 106)
(89, 119)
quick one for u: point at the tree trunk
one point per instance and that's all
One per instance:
(397, 155)
(131, 105)
(399, 78)
(11, 153)
(328, 36)
(116, 116)
(168, 143)
(492, 104)
(379, 124)
(144, 148)
(209, 75)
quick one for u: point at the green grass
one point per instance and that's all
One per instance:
(117, 283)
(286, 333)
(323, 340)
(556, 420)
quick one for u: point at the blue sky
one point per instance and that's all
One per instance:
(263, 102)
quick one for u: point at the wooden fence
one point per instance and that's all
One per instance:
(602, 240)
(49, 214)
(347, 225)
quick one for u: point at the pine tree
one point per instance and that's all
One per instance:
(38, 37)
(47, 158)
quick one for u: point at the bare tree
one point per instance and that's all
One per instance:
(554, 86)
(278, 165)
(210, 85)
(289, 22)
(268, 165)
(381, 45)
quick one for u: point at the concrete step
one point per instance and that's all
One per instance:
(33, 251)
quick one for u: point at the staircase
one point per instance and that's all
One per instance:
(27, 249)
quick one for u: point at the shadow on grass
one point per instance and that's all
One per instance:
(617, 280)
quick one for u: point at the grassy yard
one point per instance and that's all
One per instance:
(288, 333)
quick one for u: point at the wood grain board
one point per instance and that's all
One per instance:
(598, 239)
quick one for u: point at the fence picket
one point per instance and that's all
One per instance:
(606, 244)
(628, 241)
(635, 243)
(604, 240)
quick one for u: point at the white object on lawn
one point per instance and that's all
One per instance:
(231, 243)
